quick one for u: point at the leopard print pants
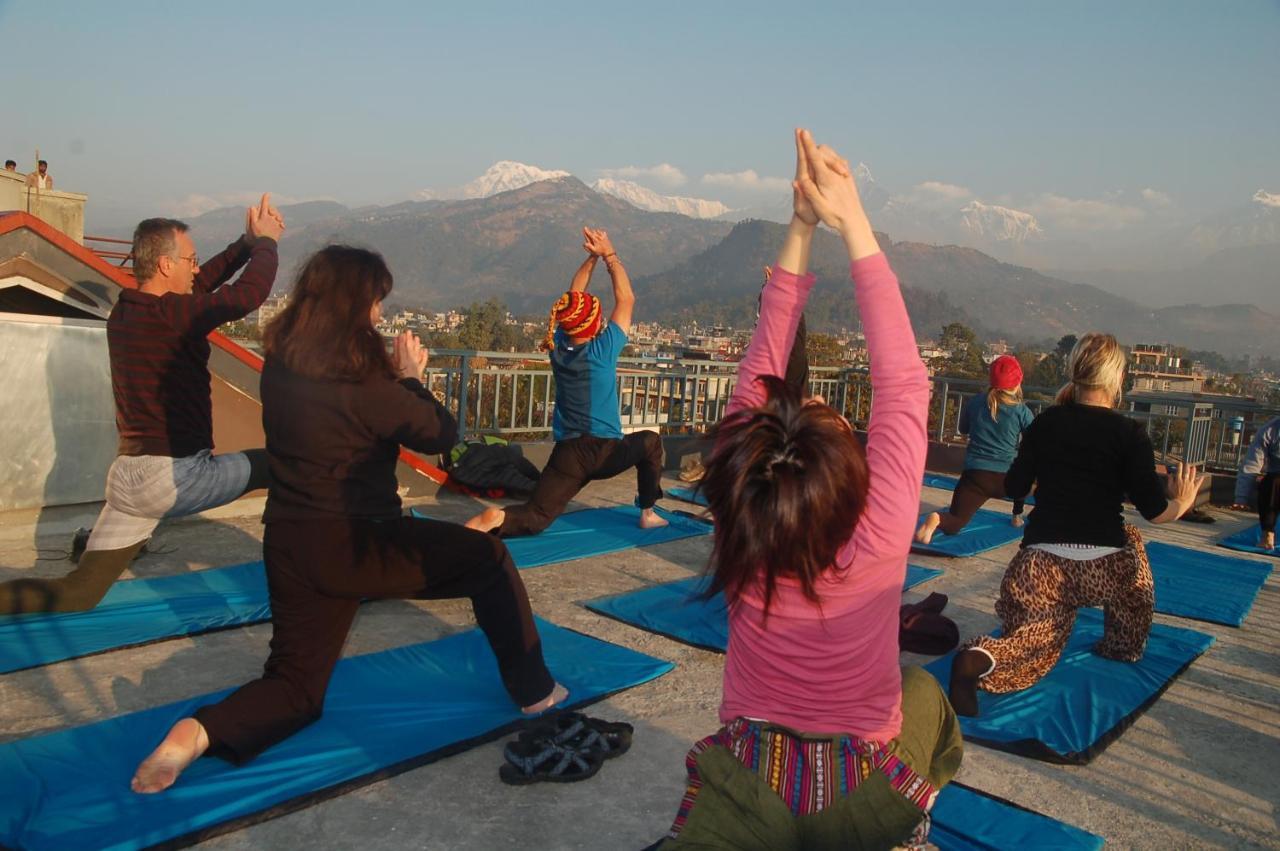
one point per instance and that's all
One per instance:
(1037, 608)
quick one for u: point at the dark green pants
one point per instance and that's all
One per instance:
(736, 809)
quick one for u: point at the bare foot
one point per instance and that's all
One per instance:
(558, 695)
(186, 741)
(650, 519)
(1267, 540)
(1016, 521)
(924, 534)
(487, 520)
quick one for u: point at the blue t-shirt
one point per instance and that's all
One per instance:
(587, 385)
(993, 444)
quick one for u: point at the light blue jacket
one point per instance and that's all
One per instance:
(1263, 457)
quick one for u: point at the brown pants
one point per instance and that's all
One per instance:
(579, 460)
(1037, 608)
(317, 574)
(972, 492)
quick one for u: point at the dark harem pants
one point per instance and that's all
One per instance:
(579, 460)
(318, 572)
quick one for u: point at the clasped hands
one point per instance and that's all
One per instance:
(263, 220)
(823, 189)
(596, 242)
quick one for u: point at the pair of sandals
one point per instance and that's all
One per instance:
(563, 748)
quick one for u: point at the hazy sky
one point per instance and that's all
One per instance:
(1088, 114)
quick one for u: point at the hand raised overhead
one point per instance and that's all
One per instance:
(263, 220)
(598, 242)
(824, 180)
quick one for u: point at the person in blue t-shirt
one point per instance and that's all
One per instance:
(588, 430)
(1260, 477)
(994, 421)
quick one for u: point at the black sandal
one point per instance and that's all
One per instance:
(537, 760)
(606, 739)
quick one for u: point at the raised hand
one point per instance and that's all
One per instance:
(598, 242)
(824, 181)
(264, 220)
(409, 356)
(1183, 485)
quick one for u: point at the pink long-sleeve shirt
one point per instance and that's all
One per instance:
(834, 668)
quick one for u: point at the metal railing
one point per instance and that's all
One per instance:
(513, 394)
(125, 257)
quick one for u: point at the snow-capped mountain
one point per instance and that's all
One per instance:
(1256, 223)
(647, 199)
(1003, 224)
(507, 175)
(873, 196)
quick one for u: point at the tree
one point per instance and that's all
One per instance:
(823, 350)
(1047, 372)
(965, 360)
(1064, 347)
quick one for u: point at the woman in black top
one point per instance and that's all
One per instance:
(1084, 458)
(336, 410)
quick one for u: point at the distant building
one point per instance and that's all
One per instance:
(1156, 367)
(271, 308)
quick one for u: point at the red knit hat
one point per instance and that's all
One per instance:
(1006, 373)
(578, 313)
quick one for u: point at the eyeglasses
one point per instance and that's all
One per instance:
(193, 259)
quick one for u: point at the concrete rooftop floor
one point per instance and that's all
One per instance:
(1197, 770)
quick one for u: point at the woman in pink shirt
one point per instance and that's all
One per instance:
(827, 742)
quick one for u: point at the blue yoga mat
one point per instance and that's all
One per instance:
(676, 610)
(1086, 701)
(594, 532)
(1246, 541)
(1204, 586)
(948, 483)
(385, 713)
(138, 611)
(986, 531)
(966, 819)
(693, 495)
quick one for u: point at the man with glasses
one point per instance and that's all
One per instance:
(157, 338)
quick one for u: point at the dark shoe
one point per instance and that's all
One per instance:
(607, 739)
(539, 760)
(79, 540)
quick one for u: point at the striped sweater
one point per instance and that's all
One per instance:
(160, 351)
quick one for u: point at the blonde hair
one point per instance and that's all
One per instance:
(996, 398)
(1096, 363)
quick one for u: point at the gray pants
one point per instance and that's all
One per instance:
(144, 489)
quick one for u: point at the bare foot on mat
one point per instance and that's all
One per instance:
(558, 696)
(487, 520)
(924, 534)
(186, 741)
(650, 519)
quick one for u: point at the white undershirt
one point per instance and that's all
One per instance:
(1076, 552)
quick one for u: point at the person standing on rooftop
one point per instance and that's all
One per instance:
(584, 352)
(40, 178)
(157, 340)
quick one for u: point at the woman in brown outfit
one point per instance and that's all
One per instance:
(336, 410)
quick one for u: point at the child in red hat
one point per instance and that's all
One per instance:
(584, 351)
(994, 421)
